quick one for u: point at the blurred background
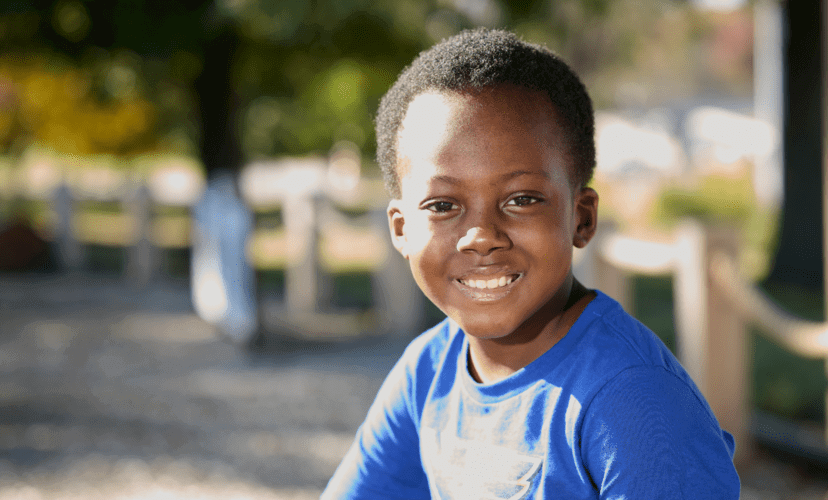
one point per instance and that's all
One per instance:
(198, 296)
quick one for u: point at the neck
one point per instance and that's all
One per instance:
(491, 360)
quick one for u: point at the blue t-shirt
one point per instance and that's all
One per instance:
(607, 412)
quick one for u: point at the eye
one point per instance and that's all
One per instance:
(440, 206)
(523, 200)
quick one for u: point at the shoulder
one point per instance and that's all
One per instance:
(384, 459)
(646, 415)
(635, 375)
(615, 341)
(643, 408)
(623, 327)
(412, 376)
(626, 370)
(655, 394)
(429, 348)
(617, 355)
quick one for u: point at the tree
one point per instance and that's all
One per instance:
(301, 75)
(239, 81)
(799, 256)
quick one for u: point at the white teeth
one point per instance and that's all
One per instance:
(489, 284)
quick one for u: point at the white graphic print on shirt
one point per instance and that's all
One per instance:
(465, 469)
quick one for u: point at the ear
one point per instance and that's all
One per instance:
(396, 223)
(586, 216)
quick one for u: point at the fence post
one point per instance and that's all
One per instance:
(608, 278)
(727, 366)
(70, 250)
(141, 259)
(690, 300)
(304, 278)
(399, 303)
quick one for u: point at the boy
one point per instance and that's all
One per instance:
(534, 386)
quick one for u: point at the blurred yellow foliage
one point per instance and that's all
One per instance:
(58, 109)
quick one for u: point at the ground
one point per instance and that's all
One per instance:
(111, 392)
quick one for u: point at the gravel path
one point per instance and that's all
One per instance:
(108, 392)
(112, 393)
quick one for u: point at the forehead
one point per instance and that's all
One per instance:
(512, 123)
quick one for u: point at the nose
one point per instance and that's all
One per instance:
(483, 240)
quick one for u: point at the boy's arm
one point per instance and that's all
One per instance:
(647, 434)
(384, 459)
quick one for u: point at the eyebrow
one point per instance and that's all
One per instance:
(445, 178)
(506, 177)
(518, 173)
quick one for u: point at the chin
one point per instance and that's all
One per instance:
(485, 330)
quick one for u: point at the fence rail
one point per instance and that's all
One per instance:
(806, 338)
(314, 239)
(714, 306)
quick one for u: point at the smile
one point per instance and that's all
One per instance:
(490, 284)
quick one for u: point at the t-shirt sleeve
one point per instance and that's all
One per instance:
(384, 460)
(647, 434)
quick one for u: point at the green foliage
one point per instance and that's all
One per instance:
(352, 290)
(104, 259)
(715, 199)
(306, 73)
(728, 201)
(786, 384)
(653, 303)
(304, 92)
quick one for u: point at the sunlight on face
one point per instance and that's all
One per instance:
(488, 217)
(424, 129)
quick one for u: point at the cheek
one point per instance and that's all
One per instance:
(428, 254)
(428, 270)
(543, 234)
(421, 237)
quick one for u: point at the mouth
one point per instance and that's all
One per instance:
(492, 283)
(488, 287)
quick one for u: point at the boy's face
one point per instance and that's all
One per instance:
(488, 217)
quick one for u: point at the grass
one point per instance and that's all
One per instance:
(653, 306)
(104, 259)
(352, 290)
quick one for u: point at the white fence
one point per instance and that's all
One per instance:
(313, 230)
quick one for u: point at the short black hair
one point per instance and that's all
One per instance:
(485, 58)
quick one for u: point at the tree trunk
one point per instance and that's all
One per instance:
(217, 104)
(799, 257)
